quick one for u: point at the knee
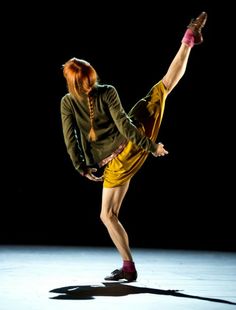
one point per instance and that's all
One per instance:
(107, 217)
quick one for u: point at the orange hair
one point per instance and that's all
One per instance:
(81, 77)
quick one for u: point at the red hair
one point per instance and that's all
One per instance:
(81, 77)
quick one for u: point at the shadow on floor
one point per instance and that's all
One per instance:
(119, 289)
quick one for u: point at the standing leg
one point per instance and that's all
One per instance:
(111, 202)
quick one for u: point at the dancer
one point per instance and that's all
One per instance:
(99, 134)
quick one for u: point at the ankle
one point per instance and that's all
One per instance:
(128, 266)
(188, 38)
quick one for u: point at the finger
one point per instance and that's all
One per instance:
(164, 153)
(100, 179)
(96, 179)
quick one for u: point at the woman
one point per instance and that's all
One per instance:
(99, 133)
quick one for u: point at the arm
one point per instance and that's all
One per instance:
(71, 135)
(73, 142)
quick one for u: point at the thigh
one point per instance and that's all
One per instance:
(112, 198)
(149, 110)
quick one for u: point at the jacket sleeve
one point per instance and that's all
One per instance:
(72, 137)
(125, 124)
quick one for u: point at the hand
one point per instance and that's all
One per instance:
(89, 175)
(160, 151)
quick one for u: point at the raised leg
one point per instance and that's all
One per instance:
(192, 36)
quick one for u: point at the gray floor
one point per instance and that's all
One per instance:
(52, 277)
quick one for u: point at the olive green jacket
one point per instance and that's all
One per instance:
(111, 123)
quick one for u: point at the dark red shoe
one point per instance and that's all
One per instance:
(196, 26)
(119, 274)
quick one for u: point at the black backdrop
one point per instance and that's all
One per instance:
(184, 200)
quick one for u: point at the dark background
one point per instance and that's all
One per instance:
(185, 200)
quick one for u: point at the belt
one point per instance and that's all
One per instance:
(113, 155)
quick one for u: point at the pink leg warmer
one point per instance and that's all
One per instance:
(128, 266)
(188, 38)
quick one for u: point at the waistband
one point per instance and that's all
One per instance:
(113, 155)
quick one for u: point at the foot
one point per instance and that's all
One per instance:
(119, 274)
(196, 26)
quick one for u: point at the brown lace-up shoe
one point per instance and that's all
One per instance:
(119, 274)
(196, 26)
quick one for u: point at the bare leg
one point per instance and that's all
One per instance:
(111, 202)
(193, 36)
(177, 67)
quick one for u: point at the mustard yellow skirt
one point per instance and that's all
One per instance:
(149, 113)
